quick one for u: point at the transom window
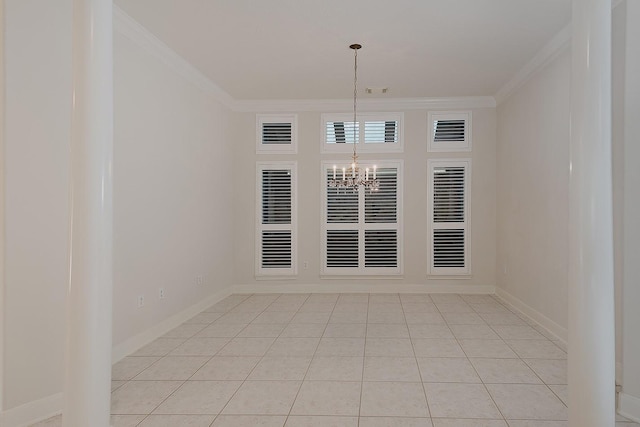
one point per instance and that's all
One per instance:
(373, 132)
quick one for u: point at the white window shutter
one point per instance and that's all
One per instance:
(448, 211)
(276, 134)
(373, 132)
(276, 219)
(449, 131)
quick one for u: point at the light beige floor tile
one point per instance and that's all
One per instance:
(528, 402)
(348, 316)
(274, 317)
(129, 367)
(317, 307)
(281, 368)
(221, 330)
(353, 298)
(384, 299)
(281, 306)
(303, 330)
(126, 420)
(323, 298)
(263, 398)
(452, 422)
(454, 307)
(384, 307)
(351, 307)
(186, 330)
(386, 317)
(506, 318)
(415, 298)
(389, 347)
(478, 299)
(199, 397)
(493, 307)
(291, 299)
(393, 399)
(226, 368)
(159, 347)
(487, 348)
(479, 332)
(455, 318)
(505, 371)
(341, 347)
(141, 397)
(419, 307)
(391, 369)
(447, 370)
(551, 371)
(387, 330)
(238, 317)
(249, 421)
(536, 349)
(294, 347)
(200, 347)
(525, 423)
(262, 330)
(437, 347)
(328, 398)
(460, 401)
(246, 347)
(205, 317)
(172, 368)
(345, 330)
(424, 318)
(430, 331)
(311, 317)
(335, 368)
(394, 422)
(321, 421)
(117, 384)
(515, 332)
(177, 420)
(562, 391)
(447, 299)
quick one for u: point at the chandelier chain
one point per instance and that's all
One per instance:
(355, 99)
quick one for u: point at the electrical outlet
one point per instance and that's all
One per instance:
(305, 264)
(161, 293)
(140, 300)
(199, 280)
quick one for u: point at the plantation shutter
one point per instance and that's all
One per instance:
(276, 134)
(449, 131)
(374, 132)
(448, 215)
(276, 219)
(362, 228)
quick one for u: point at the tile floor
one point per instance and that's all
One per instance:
(346, 360)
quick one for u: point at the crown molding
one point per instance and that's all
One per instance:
(134, 31)
(548, 53)
(378, 104)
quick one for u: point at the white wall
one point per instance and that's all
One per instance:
(533, 193)
(172, 219)
(38, 102)
(415, 204)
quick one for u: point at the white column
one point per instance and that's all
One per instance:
(591, 303)
(88, 358)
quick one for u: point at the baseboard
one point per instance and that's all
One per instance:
(558, 332)
(136, 342)
(384, 287)
(629, 407)
(32, 412)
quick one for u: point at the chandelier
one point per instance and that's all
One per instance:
(355, 177)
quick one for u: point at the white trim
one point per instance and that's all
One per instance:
(548, 53)
(345, 105)
(33, 412)
(2, 234)
(259, 227)
(355, 287)
(138, 341)
(362, 147)
(447, 147)
(277, 148)
(629, 407)
(560, 333)
(134, 31)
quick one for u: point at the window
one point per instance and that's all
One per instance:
(362, 231)
(382, 132)
(276, 251)
(448, 211)
(276, 134)
(449, 131)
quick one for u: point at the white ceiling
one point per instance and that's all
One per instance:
(298, 49)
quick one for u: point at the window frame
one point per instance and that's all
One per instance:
(362, 227)
(276, 273)
(444, 147)
(385, 147)
(292, 148)
(453, 272)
